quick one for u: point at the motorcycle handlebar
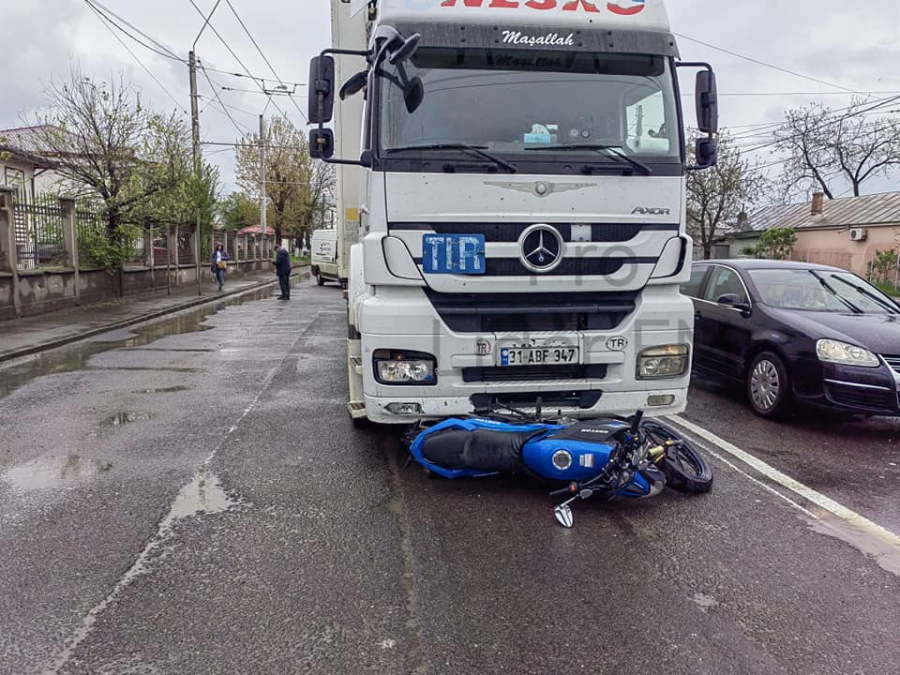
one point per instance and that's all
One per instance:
(568, 491)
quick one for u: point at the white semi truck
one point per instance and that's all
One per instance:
(511, 202)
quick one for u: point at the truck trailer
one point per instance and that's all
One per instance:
(511, 204)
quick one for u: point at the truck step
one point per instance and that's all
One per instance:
(357, 409)
(357, 364)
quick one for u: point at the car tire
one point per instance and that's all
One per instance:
(769, 386)
(319, 280)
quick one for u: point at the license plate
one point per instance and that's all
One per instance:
(538, 356)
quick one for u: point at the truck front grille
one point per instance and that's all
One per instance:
(531, 312)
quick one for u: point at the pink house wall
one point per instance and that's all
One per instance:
(833, 247)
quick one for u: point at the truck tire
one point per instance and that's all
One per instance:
(319, 280)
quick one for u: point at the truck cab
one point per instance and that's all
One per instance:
(512, 186)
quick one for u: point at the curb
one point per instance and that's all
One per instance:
(197, 302)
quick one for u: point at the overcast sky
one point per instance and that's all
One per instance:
(850, 44)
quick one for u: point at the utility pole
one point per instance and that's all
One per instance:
(263, 227)
(195, 136)
(195, 133)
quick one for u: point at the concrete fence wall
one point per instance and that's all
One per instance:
(36, 290)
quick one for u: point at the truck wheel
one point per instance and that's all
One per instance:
(769, 386)
(319, 280)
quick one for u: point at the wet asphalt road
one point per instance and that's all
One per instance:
(199, 503)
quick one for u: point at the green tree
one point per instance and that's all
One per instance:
(297, 188)
(777, 243)
(238, 211)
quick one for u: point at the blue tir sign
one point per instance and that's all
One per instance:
(453, 254)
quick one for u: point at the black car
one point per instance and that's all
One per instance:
(795, 332)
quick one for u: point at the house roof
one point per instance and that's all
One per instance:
(256, 229)
(867, 211)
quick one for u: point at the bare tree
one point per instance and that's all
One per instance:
(825, 147)
(103, 139)
(718, 195)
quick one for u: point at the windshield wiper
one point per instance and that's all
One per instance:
(614, 149)
(476, 149)
(861, 290)
(831, 290)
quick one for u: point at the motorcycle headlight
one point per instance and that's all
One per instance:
(835, 351)
(400, 368)
(663, 362)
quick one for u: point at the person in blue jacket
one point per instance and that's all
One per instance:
(282, 266)
(219, 265)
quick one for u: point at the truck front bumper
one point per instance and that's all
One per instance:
(607, 381)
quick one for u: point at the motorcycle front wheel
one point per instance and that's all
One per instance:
(686, 470)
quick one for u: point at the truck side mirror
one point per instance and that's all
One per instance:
(321, 144)
(354, 85)
(320, 104)
(706, 153)
(707, 98)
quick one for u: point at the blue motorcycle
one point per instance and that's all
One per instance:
(606, 458)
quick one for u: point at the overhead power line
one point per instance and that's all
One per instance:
(108, 14)
(237, 58)
(767, 65)
(268, 63)
(104, 20)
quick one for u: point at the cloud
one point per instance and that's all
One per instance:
(851, 44)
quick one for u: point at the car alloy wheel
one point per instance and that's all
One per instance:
(765, 385)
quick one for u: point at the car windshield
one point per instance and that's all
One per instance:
(508, 101)
(820, 291)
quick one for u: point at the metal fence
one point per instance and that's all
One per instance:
(185, 251)
(89, 226)
(39, 233)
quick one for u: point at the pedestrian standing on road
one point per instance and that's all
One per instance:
(219, 264)
(282, 267)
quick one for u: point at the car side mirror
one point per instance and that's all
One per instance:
(707, 99)
(734, 301)
(320, 101)
(321, 143)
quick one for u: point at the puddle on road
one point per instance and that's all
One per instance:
(204, 494)
(881, 546)
(76, 356)
(51, 473)
(121, 418)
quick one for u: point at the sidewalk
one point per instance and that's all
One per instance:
(20, 337)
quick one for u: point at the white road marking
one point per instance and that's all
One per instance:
(886, 545)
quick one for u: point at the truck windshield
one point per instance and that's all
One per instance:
(509, 102)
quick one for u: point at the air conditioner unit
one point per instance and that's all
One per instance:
(858, 234)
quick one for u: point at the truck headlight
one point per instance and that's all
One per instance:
(659, 363)
(834, 351)
(404, 368)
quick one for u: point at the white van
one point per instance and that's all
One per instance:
(325, 256)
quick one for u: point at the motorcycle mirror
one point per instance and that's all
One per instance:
(563, 515)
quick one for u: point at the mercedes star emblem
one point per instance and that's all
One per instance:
(541, 248)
